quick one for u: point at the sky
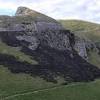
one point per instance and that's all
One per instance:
(88, 10)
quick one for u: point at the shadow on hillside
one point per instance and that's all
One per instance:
(52, 63)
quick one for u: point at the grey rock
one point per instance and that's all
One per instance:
(33, 42)
(80, 47)
(83, 46)
(24, 11)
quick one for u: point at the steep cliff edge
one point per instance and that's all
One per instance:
(48, 43)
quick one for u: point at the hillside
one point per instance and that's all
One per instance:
(21, 72)
(83, 28)
(79, 91)
(24, 11)
(37, 54)
(88, 31)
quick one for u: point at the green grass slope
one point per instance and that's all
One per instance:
(11, 84)
(5, 49)
(79, 91)
(94, 58)
(25, 87)
(83, 28)
(16, 83)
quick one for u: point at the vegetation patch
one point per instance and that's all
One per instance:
(79, 91)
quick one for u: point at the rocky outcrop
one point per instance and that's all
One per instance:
(39, 31)
(80, 47)
(22, 11)
(40, 28)
(83, 46)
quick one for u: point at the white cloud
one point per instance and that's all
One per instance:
(59, 9)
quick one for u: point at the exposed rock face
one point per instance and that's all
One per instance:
(24, 11)
(83, 46)
(33, 42)
(98, 47)
(80, 47)
(46, 41)
(38, 31)
(44, 30)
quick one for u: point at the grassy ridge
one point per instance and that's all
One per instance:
(83, 28)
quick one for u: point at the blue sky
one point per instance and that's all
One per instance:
(59, 9)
